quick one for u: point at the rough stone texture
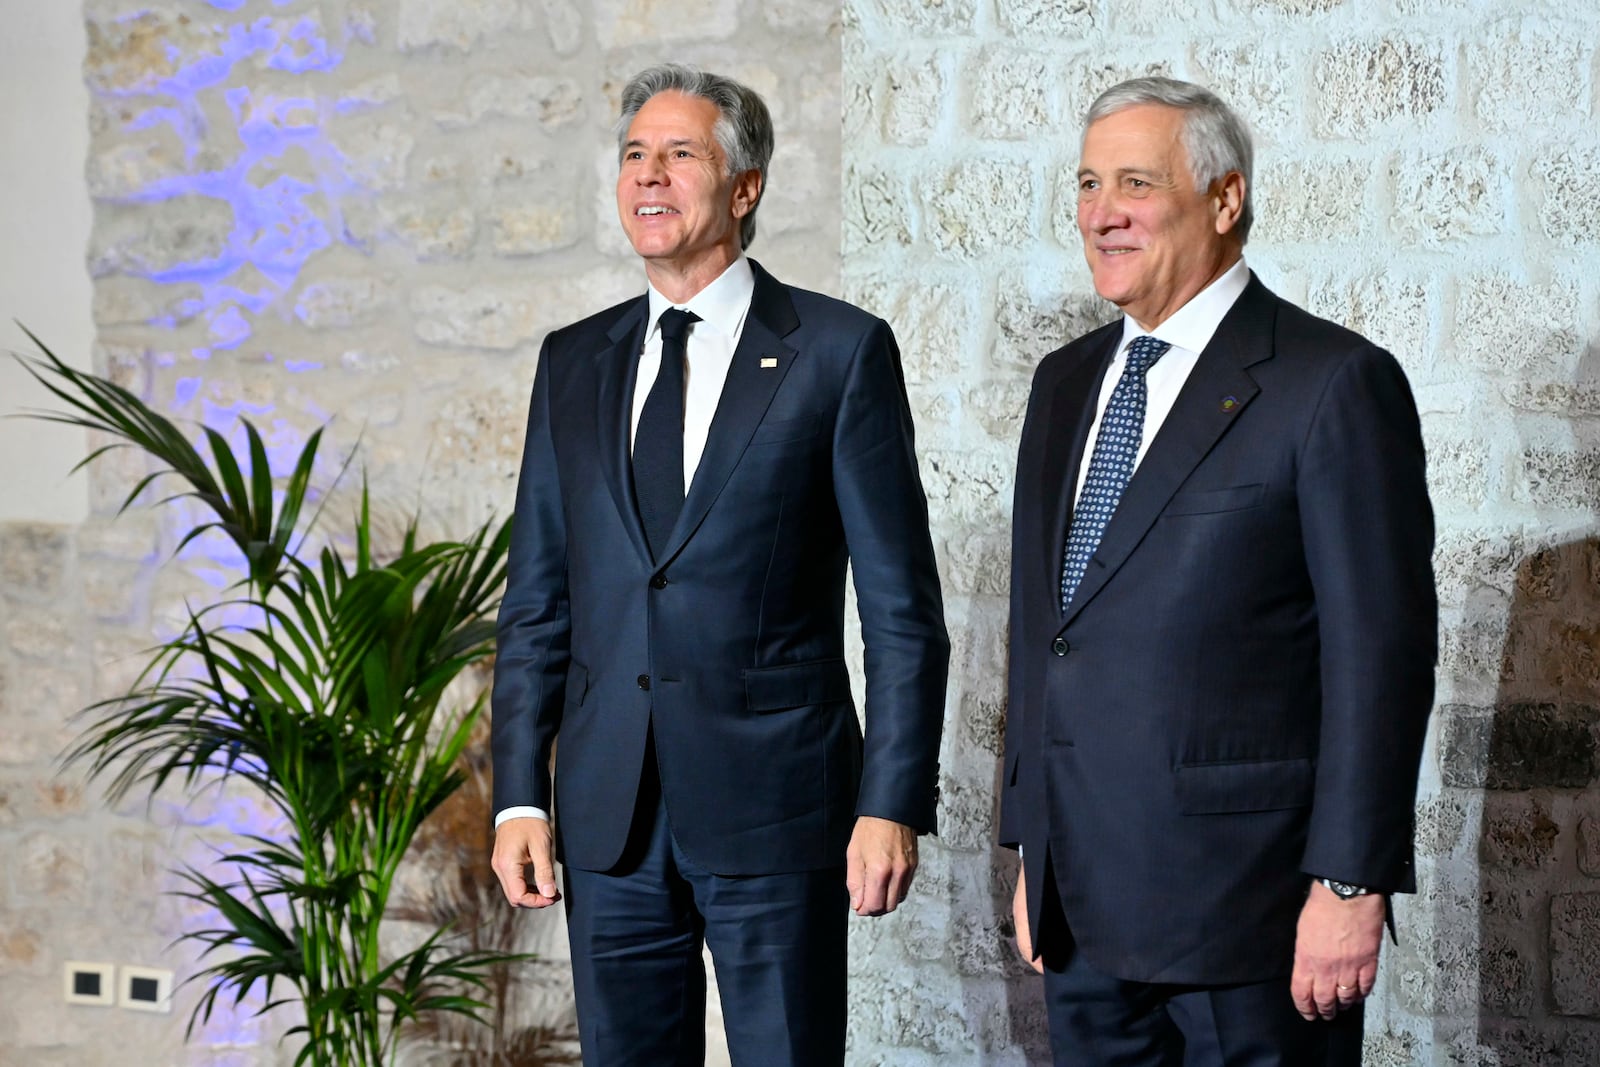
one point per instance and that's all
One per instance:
(1569, 212)
(1574, 964)
(1013, 94)
(1366, 84)
(1444, 198)
(1312, 200)
(1519, 62)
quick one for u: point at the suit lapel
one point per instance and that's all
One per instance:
(760, 363)
(1217, 390)
(617, 367)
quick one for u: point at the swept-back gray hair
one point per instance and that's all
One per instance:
(1216, 138)
(743, 129)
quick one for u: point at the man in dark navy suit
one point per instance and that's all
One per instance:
(701, 464)
(1222, 630)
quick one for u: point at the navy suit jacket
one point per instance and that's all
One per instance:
(1236, 698)
(730, 647)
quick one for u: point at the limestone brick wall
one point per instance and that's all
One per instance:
(364, 211)
(1427, 173)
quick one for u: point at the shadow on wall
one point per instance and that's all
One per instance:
(1528, 976)
(1536, 755)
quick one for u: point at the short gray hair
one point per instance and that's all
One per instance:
(1216, 138)
(743, 129)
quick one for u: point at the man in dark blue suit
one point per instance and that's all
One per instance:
(1222, 630)
(701, 464)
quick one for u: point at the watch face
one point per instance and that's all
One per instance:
(1344, 890)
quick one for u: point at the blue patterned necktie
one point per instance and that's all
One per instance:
(658, 438)
(1115, 448)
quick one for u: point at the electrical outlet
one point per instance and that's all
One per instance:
(146, 989)
(91, 983)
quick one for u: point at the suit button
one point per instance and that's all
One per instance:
(644, 681)
(1060, 647)
(659, 581)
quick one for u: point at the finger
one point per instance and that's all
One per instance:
(1326, 998)
(875, 892)
(855, 878)
(514, 885)
(1300, 990)
(1348, 993)
(1366, 979)
(544, 871)
(899, 881)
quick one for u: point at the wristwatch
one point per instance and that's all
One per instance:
(1344, 890)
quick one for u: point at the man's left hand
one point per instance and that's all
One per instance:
(1335, 952)
(879, 865)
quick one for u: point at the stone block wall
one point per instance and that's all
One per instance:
(1427, 173)
(363, 211)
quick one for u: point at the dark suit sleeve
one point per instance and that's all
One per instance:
(533, 632)
(885, 517)
(1368, 534)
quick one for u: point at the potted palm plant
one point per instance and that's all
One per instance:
(332, 699)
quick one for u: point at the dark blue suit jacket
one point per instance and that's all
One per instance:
(1236, 698)
(731, 646)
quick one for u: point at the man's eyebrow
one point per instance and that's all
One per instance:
(675, 142)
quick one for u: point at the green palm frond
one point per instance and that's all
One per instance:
(322, 682)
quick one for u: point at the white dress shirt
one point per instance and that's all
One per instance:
(1188, 331)
(722, 307)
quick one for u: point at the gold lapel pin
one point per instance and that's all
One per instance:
(768, 362)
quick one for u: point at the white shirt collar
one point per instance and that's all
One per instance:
(720, 305)
(1191, 326)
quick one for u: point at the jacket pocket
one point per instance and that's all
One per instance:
(780, 430)
(1265, 785)
(796, 685)
(1211, 501)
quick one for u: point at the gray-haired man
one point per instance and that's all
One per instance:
(701, 463)
(1222, 630)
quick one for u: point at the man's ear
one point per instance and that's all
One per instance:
(746, 193)
(1227, 200)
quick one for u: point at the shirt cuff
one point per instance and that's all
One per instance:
(520, 812)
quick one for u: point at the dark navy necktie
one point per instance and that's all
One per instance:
(1115, 449)
(658, 439)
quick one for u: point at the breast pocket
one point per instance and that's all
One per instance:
(778, 431)
(1215, 501)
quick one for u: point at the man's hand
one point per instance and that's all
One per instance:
(1335, 951)
(517, 843)
(1019, 916)
(879, 865)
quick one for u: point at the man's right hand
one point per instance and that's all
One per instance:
(518, 843)
(1019, 916)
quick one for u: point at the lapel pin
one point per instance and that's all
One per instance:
(1229, 403)
(768, 362)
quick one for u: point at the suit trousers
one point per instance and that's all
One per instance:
(636, 933)
(1097, 1020)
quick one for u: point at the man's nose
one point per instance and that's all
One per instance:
(1101, 213)
(650, 171)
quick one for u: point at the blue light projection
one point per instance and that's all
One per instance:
(282, 180)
